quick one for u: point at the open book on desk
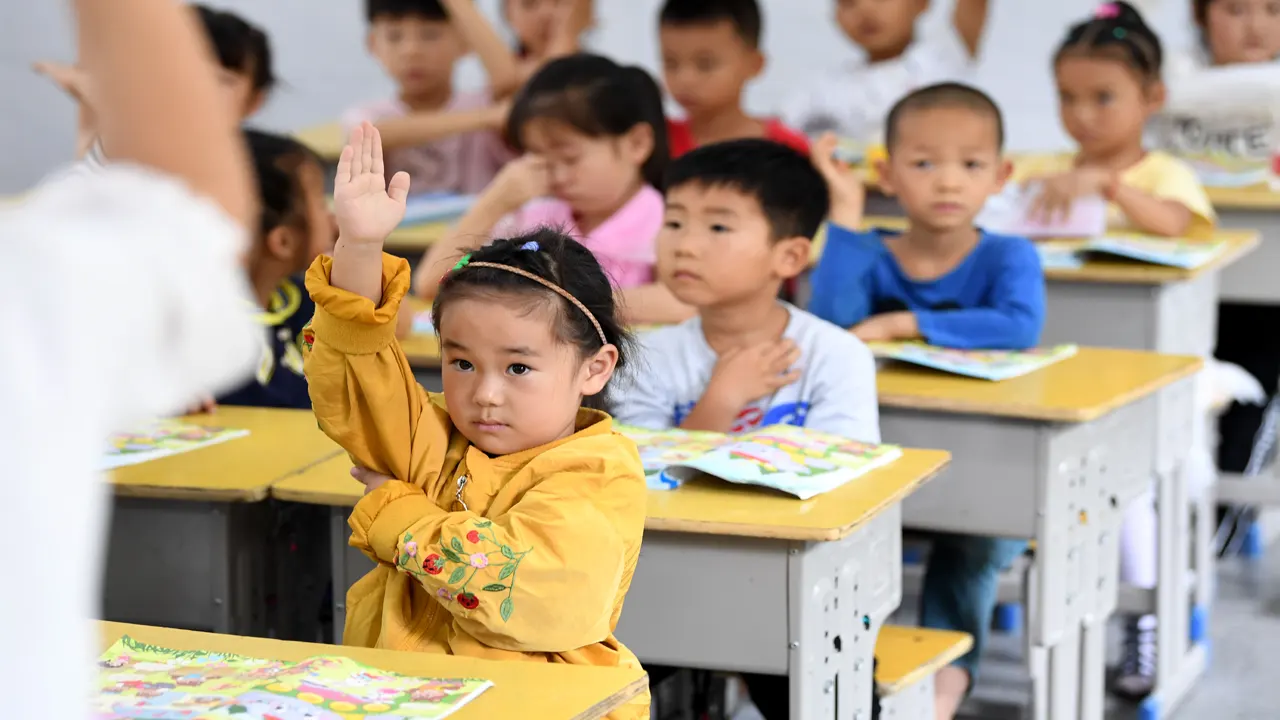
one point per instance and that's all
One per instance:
(980, 364)
(799, 462)
(1170, 252)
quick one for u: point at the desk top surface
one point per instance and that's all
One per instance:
(706, 506)
(520, 689)
(1084, 387)
(280, 442)
(422, 349)
(906, 655)
(1250, 198)
(415, 238)
(326, 140)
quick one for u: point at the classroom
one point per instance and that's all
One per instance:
(665, 359)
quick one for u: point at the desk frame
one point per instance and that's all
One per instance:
(211, 558)
(1179, 318)
(815, 608)
(1064, 485)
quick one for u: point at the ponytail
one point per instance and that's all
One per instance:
(1117, 30)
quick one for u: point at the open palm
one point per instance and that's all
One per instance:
(368, 209)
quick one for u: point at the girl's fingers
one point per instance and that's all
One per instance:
(376, 166)
(344, 174)
(367, 148)
(398, 190)
(356, 145)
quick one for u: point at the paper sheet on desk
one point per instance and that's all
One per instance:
(1009, 213)
(162, 439)
(137, 680)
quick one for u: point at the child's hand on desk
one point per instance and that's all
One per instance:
(521, 180)
(848, 195)
(1059, 192)
(749, 373)
(367, 208)
(886, 327)
(370, 479)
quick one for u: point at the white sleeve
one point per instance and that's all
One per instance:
(644, 398)
(125, 279)
(845, 401)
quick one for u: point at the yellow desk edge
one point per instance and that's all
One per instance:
(687, 509)
(907, 655)
(1250, 198)
(394, 661)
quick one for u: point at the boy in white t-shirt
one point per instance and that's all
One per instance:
(447, 141)
(852, 102)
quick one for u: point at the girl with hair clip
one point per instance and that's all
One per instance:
(594, 140)
(1108, 72)
(505, 516)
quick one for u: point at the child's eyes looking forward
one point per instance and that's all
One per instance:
(519, 369)
(463, 365)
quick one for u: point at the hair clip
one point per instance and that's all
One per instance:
(1119, 33)
(1107, 11)
(531, 245)
(461, 264)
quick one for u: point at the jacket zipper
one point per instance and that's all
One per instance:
(462, 483)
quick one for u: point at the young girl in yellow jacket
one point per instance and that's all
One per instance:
(505, 518)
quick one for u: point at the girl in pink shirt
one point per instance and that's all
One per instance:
(594, 140)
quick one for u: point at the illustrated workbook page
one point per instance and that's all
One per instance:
(143, 681)
(795, 460)
(162, 439)
(981, 364)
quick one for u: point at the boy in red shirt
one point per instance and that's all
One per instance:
(710, 50)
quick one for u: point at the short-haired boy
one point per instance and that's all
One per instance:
(943, 281)
(739, 218)
(447, 141)
(896, 59)
(710, 51)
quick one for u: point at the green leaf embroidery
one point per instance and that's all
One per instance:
(507, 571)
(505, 609)
(484, 524)
(456, 577)
(457, 544)
(507, 553)
(408, 537)
(450, 554)
(494, 587)
(404, 559)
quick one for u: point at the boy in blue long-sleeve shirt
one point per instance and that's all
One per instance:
(943, 281)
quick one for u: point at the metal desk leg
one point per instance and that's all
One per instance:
(338, 533)
(1064, 676)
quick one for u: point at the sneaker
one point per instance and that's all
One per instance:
(1136, 676)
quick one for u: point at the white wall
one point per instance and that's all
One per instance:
(320, 56)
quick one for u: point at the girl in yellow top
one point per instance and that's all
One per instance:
(504, 517)
(1108, 71)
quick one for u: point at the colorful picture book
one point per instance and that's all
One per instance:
(799, 462)
(1010, 213)
(981, 364)
(162, 439)
(436, 207)
(1183, 254)
(143, 681)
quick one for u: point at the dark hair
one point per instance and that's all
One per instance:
(1200, 10)
(943, 95)
(241, 46)
(276, 161)
(791, 192)
(396, 9)
(1117, 31)
(744, 15)
(598, 97)
(563, 261)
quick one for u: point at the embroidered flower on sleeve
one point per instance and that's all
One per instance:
(479, 560)
(466, 566)
(468, 601)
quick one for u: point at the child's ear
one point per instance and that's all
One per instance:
(637, 144)
(1157, 94)
(598, 369)
(1003, 173)
(791, 256)
(256, 101)
(370, 39)
(756, 64)
(281, 244)
(884, 177)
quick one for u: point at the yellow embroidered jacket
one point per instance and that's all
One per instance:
(525, 556)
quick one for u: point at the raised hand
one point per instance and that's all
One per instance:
(848, 195)
(367, 208)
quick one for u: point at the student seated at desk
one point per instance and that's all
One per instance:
(710, 51)
(739, 218)
(508, 518)
(448, 141)
(245, 72)
(1108, 71)
(943, 281)
(854, 100)
(295, 227)
(595, 145)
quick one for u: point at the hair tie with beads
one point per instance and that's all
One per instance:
(1107, 11)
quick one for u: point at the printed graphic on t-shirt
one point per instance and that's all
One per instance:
(753, 417)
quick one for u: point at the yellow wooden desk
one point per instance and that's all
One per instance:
(537, 691)
(188, 540)
(326, 140)
(1054, 457)
(1258, 210)
(907, 659)
(421, 349)
(413, 239)
(787, 563)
